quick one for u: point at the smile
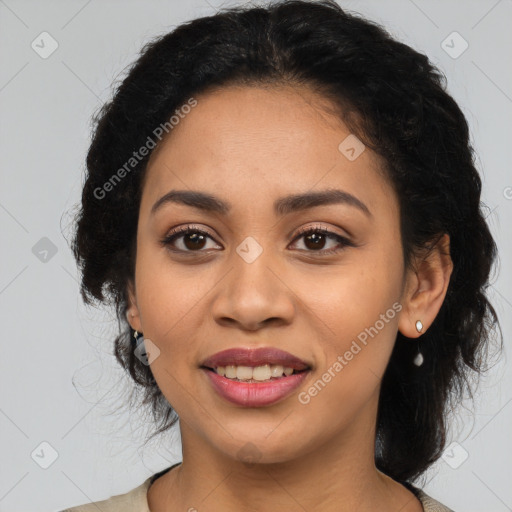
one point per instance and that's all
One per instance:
(252, 390)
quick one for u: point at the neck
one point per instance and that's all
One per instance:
(339, 475)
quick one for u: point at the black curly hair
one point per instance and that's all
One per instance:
(395, 101)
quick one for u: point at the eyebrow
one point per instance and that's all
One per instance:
(282, 206)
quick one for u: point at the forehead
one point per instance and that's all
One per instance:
(265, 141)
(234, 117)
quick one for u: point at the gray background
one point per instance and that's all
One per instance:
(59, 383)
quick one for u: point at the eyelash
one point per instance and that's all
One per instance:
(179, 232)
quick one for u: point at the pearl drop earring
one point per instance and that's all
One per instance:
(418, 360)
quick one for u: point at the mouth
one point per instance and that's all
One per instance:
(262, 373)
(260, 360)
(252, 392)
(255, 377)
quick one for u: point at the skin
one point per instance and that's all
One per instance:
(250, 146)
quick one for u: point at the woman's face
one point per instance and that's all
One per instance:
(255, 281)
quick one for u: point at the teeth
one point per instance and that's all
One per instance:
(258, 373)
(243, 372)
(261, 373)
(231, 372)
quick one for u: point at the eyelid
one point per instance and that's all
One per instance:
(345, 241)
(301, 231)
(186, 227)
(319, 227)
(315, 228)
(183, 230)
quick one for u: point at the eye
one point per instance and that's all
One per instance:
(315, 239)
(190, 239)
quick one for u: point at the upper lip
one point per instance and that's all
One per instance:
(255, 357)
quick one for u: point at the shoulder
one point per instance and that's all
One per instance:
(131, 501)
(135, 500)
(429, 503)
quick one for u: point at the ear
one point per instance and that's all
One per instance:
(425, 288)
(132, 312)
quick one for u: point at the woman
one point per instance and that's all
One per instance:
(283, 206)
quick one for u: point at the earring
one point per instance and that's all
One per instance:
(418, 360)
(137, 338)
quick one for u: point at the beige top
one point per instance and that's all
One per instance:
(136, 499)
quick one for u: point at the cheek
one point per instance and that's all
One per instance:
(166, 305)
(357, 310)
(166, 291)
(352, 296)
(350, 373)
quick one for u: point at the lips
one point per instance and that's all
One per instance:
(258, 394)
(255, 357)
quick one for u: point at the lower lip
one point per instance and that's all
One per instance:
(255, 394)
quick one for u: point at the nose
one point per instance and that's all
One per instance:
(254, 295)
